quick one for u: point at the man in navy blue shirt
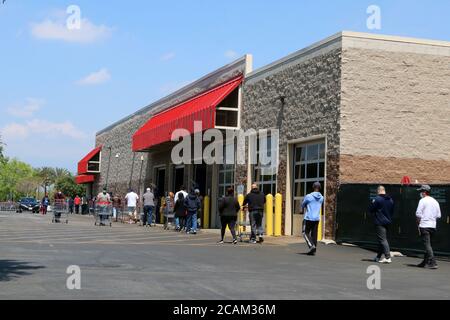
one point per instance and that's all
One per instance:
(382, 209)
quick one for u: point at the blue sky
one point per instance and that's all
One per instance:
(58, 88)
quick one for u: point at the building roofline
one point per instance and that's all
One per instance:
(335, 39)
(184, 90)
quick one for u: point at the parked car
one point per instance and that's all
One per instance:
(28, 204)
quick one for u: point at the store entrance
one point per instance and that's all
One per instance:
(178, 178)
(200, 178)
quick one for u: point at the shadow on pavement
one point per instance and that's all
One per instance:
(10, 269)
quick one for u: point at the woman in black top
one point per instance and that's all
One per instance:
(228, 211)
(180, 212)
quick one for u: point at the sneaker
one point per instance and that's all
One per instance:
(431, 266)
(422, 264)
(235, 241)
(385, 261)
(220, 242)
(253, 241)
(261, 240)
(312, 252)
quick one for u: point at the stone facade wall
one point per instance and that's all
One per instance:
(395, 115)
(126, 169)
(312, 99)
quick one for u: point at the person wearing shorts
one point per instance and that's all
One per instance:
(131, 199)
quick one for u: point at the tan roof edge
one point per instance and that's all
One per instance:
(374, 36)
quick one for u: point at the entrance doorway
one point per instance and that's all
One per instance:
(160, 182)
(308, 167)
(200, 178)
(178, 178)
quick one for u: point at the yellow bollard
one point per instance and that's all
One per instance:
(241, 212)
(206, 212)
(269, 215)
(319, 232)
(278, 210)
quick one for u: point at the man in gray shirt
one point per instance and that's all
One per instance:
(149, 206)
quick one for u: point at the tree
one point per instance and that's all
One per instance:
(11, 173)
(2, 157)
(69, 187)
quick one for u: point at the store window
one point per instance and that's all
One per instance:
(265, 174)
(226, 171)
(309, 167)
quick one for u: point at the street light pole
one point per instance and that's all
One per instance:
(109, 165)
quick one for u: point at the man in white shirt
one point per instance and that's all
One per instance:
(131, 199)
(427, 213)
(183, 191)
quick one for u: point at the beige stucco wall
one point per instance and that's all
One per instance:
(395, 112)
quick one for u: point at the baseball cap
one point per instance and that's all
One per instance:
(197, 191)
(424, 187)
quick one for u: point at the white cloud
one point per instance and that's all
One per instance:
(14, 131)
(168, 56)
(95, 78)
(42, 128)
(57, 30)
(31, 106)
(231, 54)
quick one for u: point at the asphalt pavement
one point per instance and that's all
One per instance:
(131, 262)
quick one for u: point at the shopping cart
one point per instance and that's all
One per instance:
(169, 220)
(103, 214)
(60, 211)
(244, 229)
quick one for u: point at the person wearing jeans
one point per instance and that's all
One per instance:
(192, 204)
(313, 205)
(255, 201)
(149, 207)
(428, 211)
(382, 209)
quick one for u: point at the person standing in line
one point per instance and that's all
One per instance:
(313, 205)
(183, 191)
(382, 209)
(428, 211)
(180, 212)
(45, 203)
(228, 210)
(77, 202)
(192, 204)
(149, 207)
(116, 206)
(255, 201)
(169, 208)
(103, 201)
(131, 198)
(84, 205)
(71, 204)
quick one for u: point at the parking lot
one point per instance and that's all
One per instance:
(131, 262)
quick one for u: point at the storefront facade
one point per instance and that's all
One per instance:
(353, 108)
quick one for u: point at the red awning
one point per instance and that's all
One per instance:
(82, 179)
(200, 108)
(83, 164)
